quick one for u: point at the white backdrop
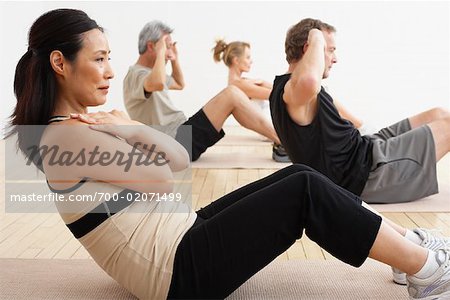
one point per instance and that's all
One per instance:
(393, 57)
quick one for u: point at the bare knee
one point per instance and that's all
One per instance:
(439, 113)
(443, 115)
(447, 121)
(429, 116)
(233, 90)
(233, 94)
(440, 127)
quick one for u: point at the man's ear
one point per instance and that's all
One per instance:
(305, 47)
(150, 46)
(57, 62)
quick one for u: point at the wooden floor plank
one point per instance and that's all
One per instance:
(296, 251)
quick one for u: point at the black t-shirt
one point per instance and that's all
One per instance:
(330, 144)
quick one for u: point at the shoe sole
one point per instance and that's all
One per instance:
(283, 159)
(399, 278)
(444, 296)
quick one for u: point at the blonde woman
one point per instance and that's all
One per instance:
(237, 57)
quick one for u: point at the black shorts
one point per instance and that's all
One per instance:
(204, 134)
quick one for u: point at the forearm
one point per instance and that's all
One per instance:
(153, 142)
(259, 92)
(345, 114)
(156, 79)
(309, 70)
(251, 89)
(177, 74)
(267, 85)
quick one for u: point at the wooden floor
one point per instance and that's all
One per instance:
(44, 236)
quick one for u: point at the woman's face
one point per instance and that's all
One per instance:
(87, 79)
(244, 62)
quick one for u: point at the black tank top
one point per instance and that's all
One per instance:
(330, 144)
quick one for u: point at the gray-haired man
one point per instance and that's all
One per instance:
(147, 100)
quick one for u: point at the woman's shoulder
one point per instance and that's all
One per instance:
(64, 121)
(63, 130)
(240, 79)
(240, 82)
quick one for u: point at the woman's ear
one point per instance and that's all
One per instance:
(57, 62)
(235, 60)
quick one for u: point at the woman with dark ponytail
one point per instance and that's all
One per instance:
(131, 223)
(35, 83)
(34, 80)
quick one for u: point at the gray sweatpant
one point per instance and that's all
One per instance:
(404, 165)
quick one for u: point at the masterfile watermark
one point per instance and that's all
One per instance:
(140, 154)
(42, 179)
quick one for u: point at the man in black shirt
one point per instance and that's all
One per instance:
(397, 164)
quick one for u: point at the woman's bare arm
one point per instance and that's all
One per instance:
(253, 89)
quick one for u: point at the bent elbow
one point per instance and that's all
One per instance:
(154, 86)
(181, 162)
(310, 84)
(185, 160)
(305, 89)
(158, 87)
(167, 188)
(166, 182)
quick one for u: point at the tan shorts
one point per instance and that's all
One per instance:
(404, 165)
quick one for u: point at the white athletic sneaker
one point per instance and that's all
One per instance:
(398, 276)
(437, 286)
(429, 241)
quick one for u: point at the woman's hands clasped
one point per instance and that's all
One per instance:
(114, 122)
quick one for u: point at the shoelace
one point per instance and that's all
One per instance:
(430, 230)
(429, 237)
(446, 262)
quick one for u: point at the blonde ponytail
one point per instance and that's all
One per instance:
(219, 50)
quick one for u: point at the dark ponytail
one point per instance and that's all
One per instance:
(35, 88)
(34, 81)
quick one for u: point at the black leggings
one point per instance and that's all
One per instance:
(240, 233)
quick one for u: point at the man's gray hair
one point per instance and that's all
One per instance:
(152, 32)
